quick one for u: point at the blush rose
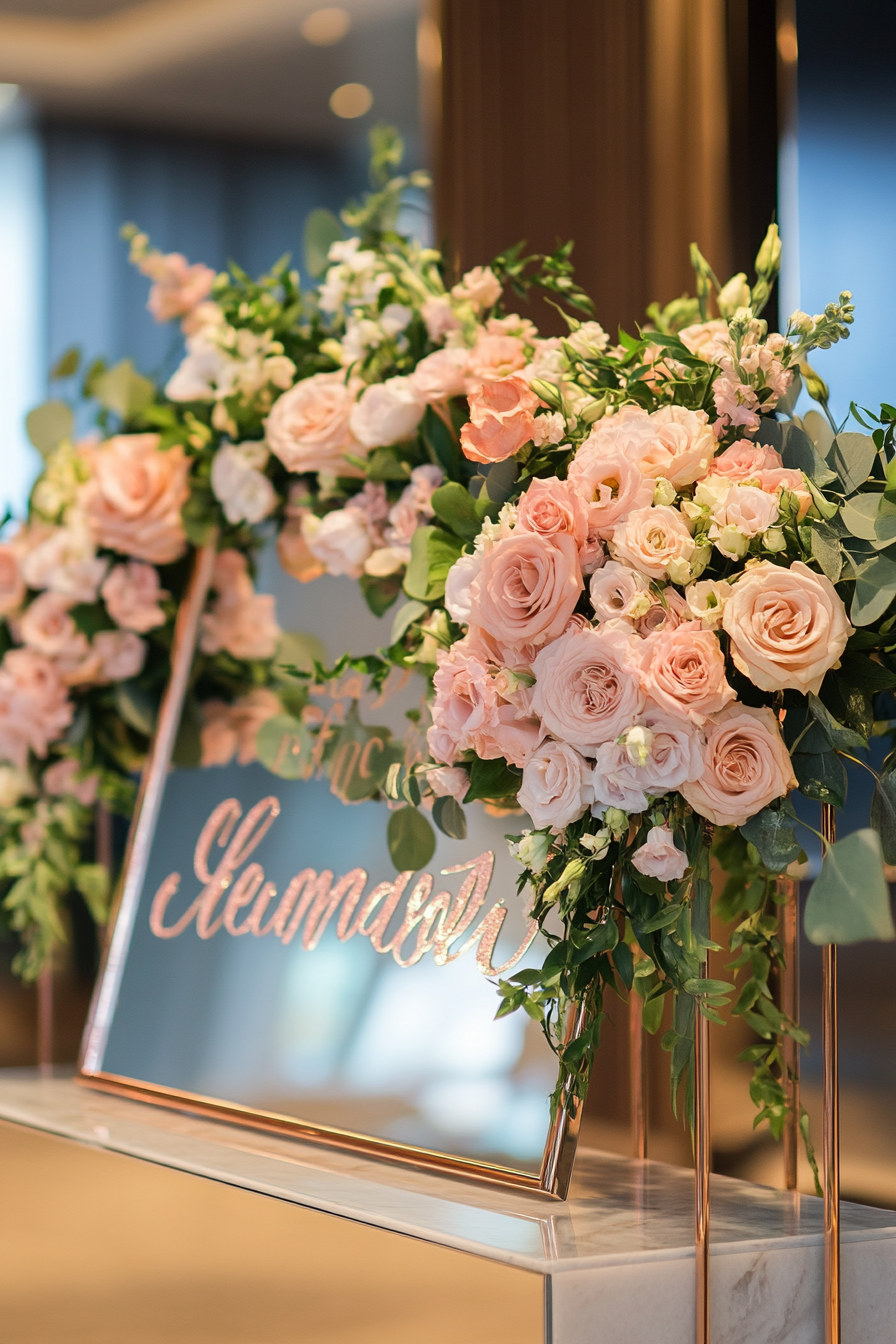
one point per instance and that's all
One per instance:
(134, 497)
(683, 671)
(586, 688)
(308, 427)
(527, 588)
(556, 787)
(746, 767)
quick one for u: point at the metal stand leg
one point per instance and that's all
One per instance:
(701, 1173)
(790, 1004)
(831, 1130)
(638, 1079)
(45, 1020)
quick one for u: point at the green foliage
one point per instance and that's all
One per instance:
(433, 552)
(49, 425)
(411, 839)
(122, 390)
(448, 815)
(849, 901)
(322, 229)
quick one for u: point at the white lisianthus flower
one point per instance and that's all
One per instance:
(589, 341)
(638, 742)
(532, 850)
(238, 481)
(386, 413)
(394, 318)
(340, 540)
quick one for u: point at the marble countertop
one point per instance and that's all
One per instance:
(619, 1211)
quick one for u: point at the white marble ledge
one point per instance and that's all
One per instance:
(620, 1212)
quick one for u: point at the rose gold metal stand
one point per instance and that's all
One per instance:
(831, 1127)
(790, 1004)
(638, 1079)
(701, 1171)
(45, 1020)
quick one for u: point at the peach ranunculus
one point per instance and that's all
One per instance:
(746, 766)
(34, 706)
(550, 506)
(501, 420)
(527, 588)
(308, 427)
(660, 857)
(495, 355)
(652, 538)
(240, 621)
(557, 785)
(787, 627)
(683, 671)
(606, 473)
(12, 584)
(134, 497)
(681, 447)
(744, 460)
(586, 685)
(441, 375)
(132, 594)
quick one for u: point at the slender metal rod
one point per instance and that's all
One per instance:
(701, 1171)
(638, 1075)
(45, 1020)
(790, 1004)
(831, 1122)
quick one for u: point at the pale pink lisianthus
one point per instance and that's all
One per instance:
(660, 857)
(787, 627)
(441, 375)
(744, 460)
(550, 506)
(134, 497)
(65, 778)
(587, 689)
(438, 313)
(479, 286)
(746, 766)
(387, 413)
(459, 586)
(177, 287)
(34, 706)
(240, 621)
(501, 420)
(683, 671)
(527, 588)
(681, 446)
(618, 591)
(12, 583)
(651, 538)
(557, 785)
(132, 594)
(664, 613)
(308, 427)
(494, 355)
(606, 472)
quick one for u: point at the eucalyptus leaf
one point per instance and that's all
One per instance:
(826, 550)
(48, 425)
(771, 832)
(67, 364)
(821, 777)
(284, 746)
(450, 818)
(819, 431)
(411, 840)
(297, 649)
(405, 618)
(849, 901)
(872, 518)
(800, 454)
(883, 814)
(322, 229)
(875, 589)
(136, 707)
(842, 739)
(852, 456)
(123, 390)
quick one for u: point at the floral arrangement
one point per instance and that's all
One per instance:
(647, 600)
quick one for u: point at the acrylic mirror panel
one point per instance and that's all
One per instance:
(308, 984)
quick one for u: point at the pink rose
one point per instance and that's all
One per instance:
(65, 777)
(480, 287)
(441, 375)
(134, 497)
(676, 752)
(340, 540)
(683, 671)
(465, 703)
(587, 689)
(440, 318)
(746, 767)
(556, 787)
(12, 584)
(527, 588)
(132, 594)
(308, 427)
(178, 287)
(660, 857)
(387, 413)
(681, 447)
(744, 460)
(663, 614)
(617, 781)
(494, 356)
(241, 621)
(651, 538)
(511, 735)
(606, 473)
(787, 627)
(34, 706)
(121, 654)
(501, 420)
(48, 627)
(617, 591)
(550, 506)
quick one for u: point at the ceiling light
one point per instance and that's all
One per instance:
(323, 27)
(8, 95)
(351, 100)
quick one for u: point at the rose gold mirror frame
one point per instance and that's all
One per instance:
(556, 1167)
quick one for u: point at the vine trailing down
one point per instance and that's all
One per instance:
(646, 599)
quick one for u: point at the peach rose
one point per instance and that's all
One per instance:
(586, 685)
(132, 594)
(787, 627)
(527, 588)
(495, 355)
(683, 671)
(660, 857)
(501, 420)
(134, 497)
(34, 706)
(744, 460)
(441, 375)
(681, 447)
(308, 427)
(12, 584)
(556, 787)
(550, 506)
(65, 777)
(606, 473)
(241, 621)
(651, 538)
(746, 767)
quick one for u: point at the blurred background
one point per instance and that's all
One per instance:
(633, 126)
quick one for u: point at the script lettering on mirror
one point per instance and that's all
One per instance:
(428, 923)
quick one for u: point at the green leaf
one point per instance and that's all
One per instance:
(872, 518)
(411, 839)
(800, 454)
(501, 479)
(711, 987)
(285, 746)
(297, 649)
(819, 431)
(433, 552)
(875, 589)
(456, 508)
(444, 447)
(624, 963)
(652, 1014)
(864, 675)
(843, 739)
(821, 777)
(849, 901)
(322, 229)
(667, 915)
(123, 390)
(771, 832)
(883, 814)
(380, 593)
(136, 706)
(48, 425)
(405, 618)
(450, 818)
(67, 364)
(491, 780)
(92, 880)
(852, 456)
(826, 550)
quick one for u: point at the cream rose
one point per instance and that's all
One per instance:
(238, 481)
(134, 497)
(527, 588)
(557, 787)
(340, 540)
(683, 671)
(650, 539)
(787, 627)
(132, 594)
(660, 857)
(681, 447)
(387, 413)
(586, 686)
(746, 767)
(308, 427)
(550, 506)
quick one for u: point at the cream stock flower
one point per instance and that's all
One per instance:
(651, 538)
(557, 785)
(787, 627)
(134, 497)
(746, 766)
